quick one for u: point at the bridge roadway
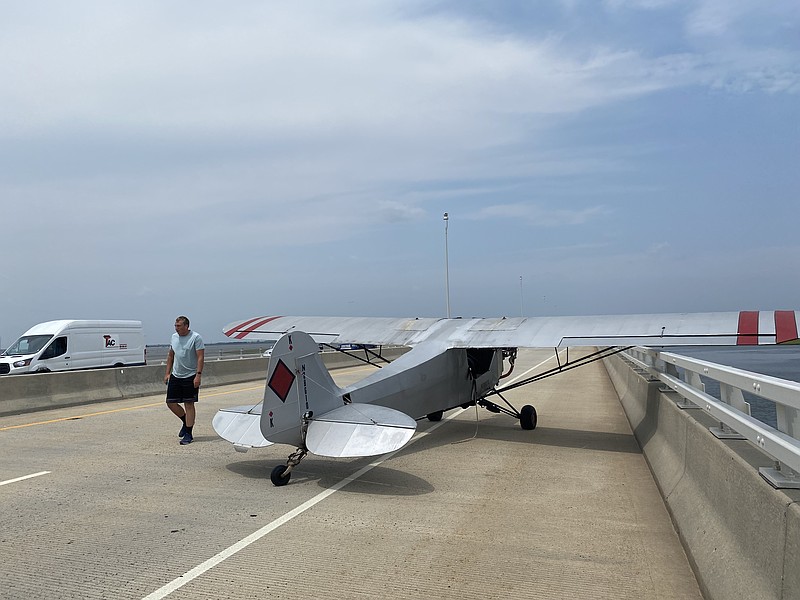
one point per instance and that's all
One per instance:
(569, 510)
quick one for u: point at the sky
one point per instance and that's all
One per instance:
(227, 160)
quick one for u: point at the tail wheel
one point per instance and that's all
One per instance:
(277, 476)
(527, 417)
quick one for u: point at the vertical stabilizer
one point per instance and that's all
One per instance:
(297, 383)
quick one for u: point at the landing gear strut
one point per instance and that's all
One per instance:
(280, 475)
(527, 416)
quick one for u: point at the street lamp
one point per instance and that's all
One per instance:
(446, 266)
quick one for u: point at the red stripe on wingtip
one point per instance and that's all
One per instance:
(242, 334)
(785, 326)
(244, 324)
(748, 328)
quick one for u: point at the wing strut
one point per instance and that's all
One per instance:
(563, 367)
(368, 352)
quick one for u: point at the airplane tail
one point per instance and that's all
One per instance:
(301, 392)
(298, 384)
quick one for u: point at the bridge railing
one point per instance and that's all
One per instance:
(685, 376)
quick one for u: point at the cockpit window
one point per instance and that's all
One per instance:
(28, 344)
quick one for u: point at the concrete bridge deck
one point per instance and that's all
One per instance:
(569, 510)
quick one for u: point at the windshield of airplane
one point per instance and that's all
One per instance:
(28, 344)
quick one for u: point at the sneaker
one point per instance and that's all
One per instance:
(187, 439)
(182, 432)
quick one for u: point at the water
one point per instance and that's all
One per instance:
(157, 354)
(777, 361)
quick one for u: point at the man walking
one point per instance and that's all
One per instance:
(184, 370)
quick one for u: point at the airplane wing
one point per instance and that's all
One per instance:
(338, 330)
(716, 328)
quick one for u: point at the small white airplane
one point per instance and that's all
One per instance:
(452, 363)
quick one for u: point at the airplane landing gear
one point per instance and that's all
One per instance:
(280, 475)
(527, 416)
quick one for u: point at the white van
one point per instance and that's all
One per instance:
(72, 344)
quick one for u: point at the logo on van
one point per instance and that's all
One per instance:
(110, 342)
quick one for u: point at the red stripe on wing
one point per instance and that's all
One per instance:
(785, 326)
(748, 328)
(252, 325)
(240, 325)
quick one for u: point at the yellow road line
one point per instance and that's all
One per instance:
(116, 410)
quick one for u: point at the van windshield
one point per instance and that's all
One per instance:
(28, 344)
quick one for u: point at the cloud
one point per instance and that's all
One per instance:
(137, 68)
(536, 215)
(716, 17)
(267, 140)
(640, 4)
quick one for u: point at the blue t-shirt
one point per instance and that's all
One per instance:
(185, 349)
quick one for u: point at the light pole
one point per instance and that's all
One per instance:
(446, 266)
(521, 312)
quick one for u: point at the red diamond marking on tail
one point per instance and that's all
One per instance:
(281, 380)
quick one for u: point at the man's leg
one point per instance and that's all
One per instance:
(176, 408)
(190, 415)
(178, 411)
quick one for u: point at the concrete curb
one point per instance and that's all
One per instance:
(43, 391)
(741, 535)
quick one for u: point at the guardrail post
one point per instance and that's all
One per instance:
(783, 476)
(732, 397)
(672, 371)
(692, 379)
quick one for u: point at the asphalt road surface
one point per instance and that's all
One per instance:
(102, 502)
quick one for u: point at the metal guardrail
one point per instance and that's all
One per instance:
(684, 375)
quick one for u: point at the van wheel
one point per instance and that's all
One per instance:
(43, 370)
(118, 365)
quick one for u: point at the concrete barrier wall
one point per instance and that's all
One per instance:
(741, 535)
(42, 391)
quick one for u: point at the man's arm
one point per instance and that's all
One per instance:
(201, 355)
(170, 360)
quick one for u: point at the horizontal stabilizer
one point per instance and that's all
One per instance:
(359, 430)
(241, 426)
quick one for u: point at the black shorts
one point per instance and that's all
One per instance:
(181, 389)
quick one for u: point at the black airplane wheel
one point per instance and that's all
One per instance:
(277, 477)
(527, 417)
(435, 416)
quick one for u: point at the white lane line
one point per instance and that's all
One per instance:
(212, 562)
(24, 477)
